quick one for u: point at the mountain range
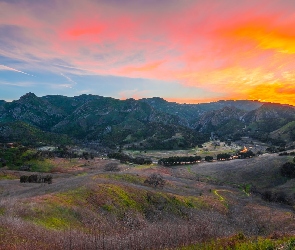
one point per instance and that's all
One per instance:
(148, 123)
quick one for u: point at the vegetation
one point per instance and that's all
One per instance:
(112, 166)
(223, 156)
(179, 160)
(288, 170)
(248, 154)
(139, 124)
(128, 159)
(208, 158)
(36, 179)
(155, 180)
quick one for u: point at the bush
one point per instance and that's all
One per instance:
(267, 195)
(208, 158)
(113, 167)
(155, 180)
(288, 170)
(283, 153)
(279, 197)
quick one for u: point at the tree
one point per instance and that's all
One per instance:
(223, 156)
(247, 154)
(208, 158)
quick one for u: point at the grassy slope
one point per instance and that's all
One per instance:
(88, 207)
(284, 133)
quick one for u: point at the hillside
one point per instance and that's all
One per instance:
(108, 121)
(145, 124)
(27, 134)
(193, 112)
(286, 133)
(89, 207)
(222, 121)
(270, 117)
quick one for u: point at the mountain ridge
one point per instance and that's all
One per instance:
(144, 123)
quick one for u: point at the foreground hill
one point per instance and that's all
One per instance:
(199, 206)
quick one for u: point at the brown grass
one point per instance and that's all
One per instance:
(100, 210)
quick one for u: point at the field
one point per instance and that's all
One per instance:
(212, 148)
(209, 205)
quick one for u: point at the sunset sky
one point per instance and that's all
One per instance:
(188, 51)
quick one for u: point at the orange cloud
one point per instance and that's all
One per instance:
(274, 39)
(277, 92)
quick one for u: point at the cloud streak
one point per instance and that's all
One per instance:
(68, 78)
(3, 67)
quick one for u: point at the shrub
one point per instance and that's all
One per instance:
(113, 167)
(155, 180)
(208, 158)
(283, 153)
(267, 195)
(279, 197)
(288, 170)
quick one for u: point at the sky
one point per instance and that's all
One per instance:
(187, 51)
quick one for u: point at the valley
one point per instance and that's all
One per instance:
(92, 172)
(87, 206)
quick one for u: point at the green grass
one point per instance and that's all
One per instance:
(56, 217)
(41, 166)
(2, 211)
(7, 176)
(59, 211)
(131, 178)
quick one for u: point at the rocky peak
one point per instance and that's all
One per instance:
(28, 96)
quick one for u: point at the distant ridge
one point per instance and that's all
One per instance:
(144, 123)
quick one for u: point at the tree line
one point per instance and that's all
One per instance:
(179, 160)
(128, 159)
(34, 178)
(182, 160)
